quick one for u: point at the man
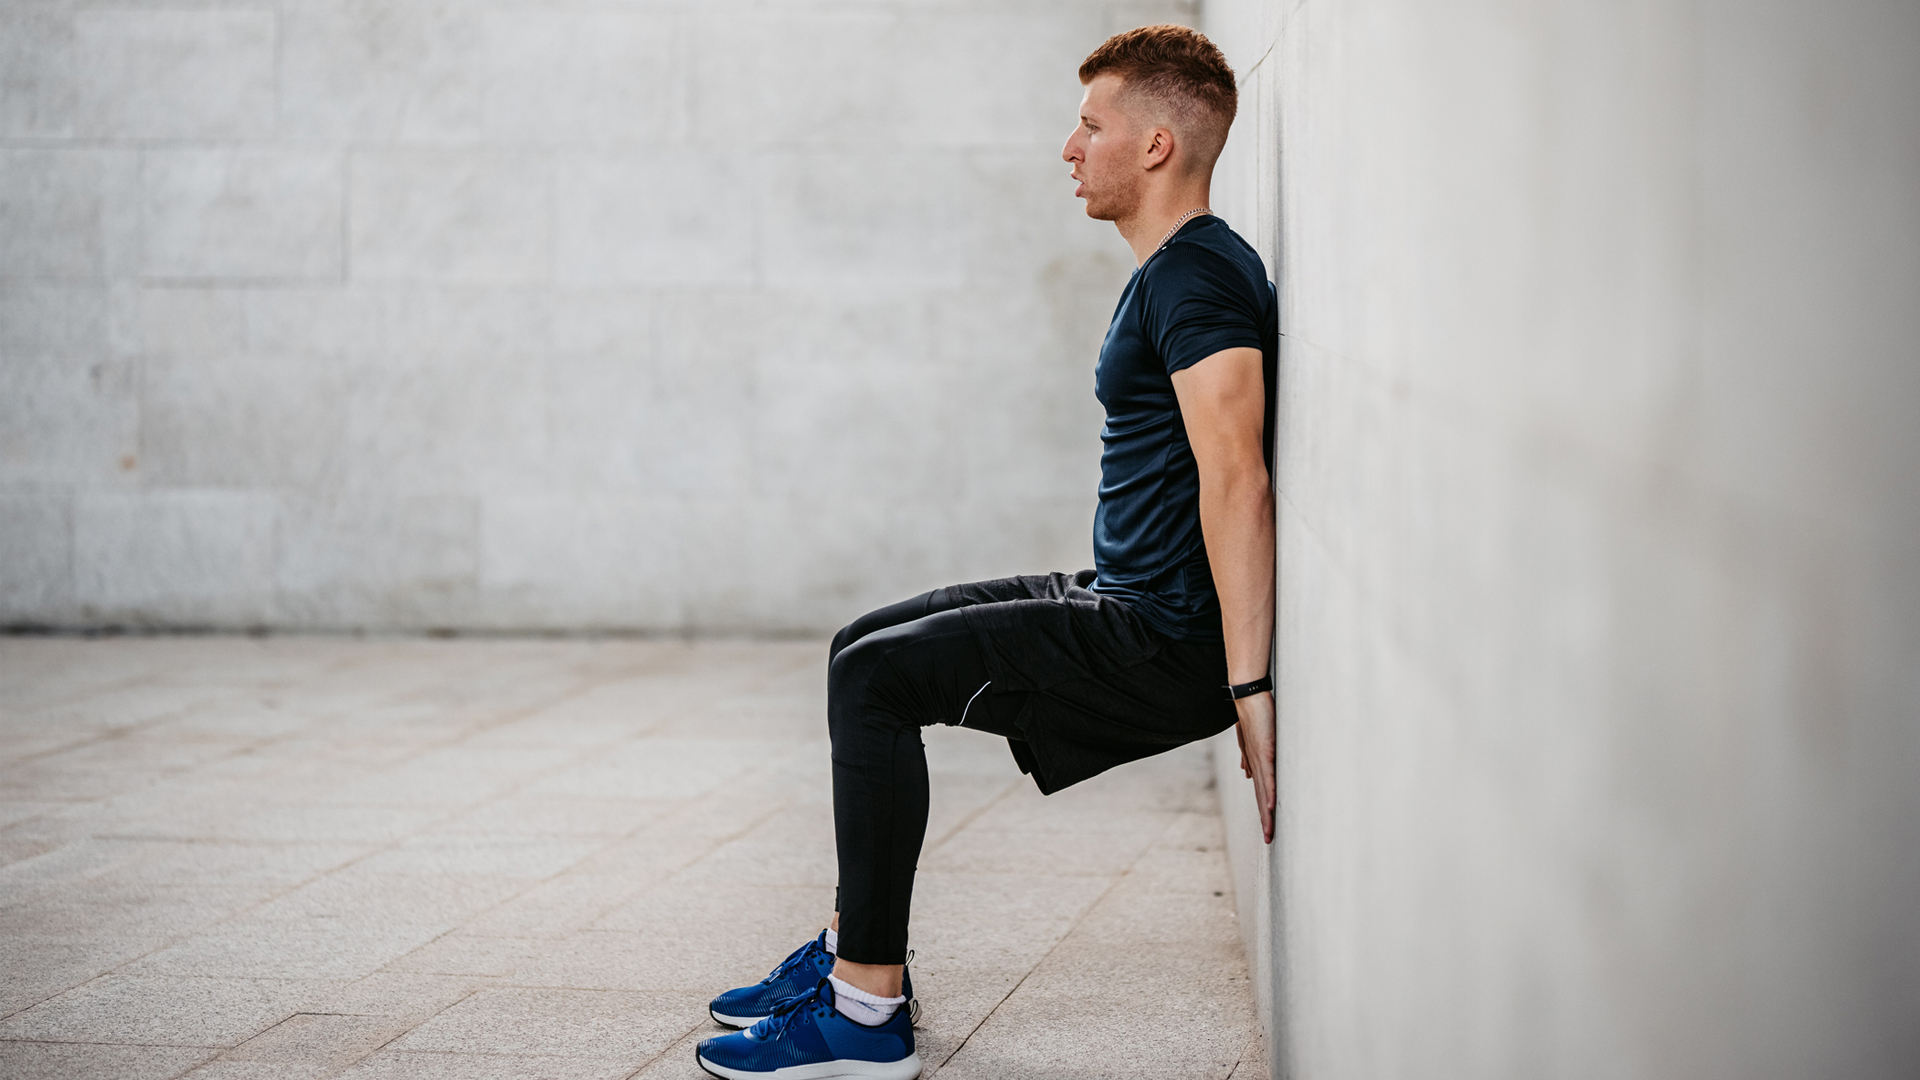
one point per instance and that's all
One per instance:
(1166, 642)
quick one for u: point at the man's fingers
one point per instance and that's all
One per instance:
(1264, 804)
(1266, 809)
(1266, 816)
(1257, 752)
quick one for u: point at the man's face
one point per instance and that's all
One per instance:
(1104, 154)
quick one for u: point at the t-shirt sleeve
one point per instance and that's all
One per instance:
(1198, 303)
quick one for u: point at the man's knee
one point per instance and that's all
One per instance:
(884, 618)
(848, 635)
(850, 678)
(867, 693)
(855, 631)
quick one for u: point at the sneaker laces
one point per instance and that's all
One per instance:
(793, 960)
(775, 1024)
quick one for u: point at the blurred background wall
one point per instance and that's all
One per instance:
(703, 316)
(1599, 535)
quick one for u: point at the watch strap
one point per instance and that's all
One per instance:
(1247, 689)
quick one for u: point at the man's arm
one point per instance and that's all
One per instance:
(1223, 401)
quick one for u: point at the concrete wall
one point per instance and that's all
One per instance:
(1600, 535)
(395, 313)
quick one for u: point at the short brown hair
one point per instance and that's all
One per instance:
(1178, 69)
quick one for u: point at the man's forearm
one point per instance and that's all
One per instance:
(1236, 518)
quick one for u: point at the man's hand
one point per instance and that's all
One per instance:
(1255, 731)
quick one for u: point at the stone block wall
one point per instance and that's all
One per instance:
(1599, 591)
(673, 316)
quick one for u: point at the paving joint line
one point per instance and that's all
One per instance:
(397, 1036)
(1055, 947)
(664, 1051)
(977, 812)
(378, 849)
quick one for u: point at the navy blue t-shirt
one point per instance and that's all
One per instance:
(1205, 291)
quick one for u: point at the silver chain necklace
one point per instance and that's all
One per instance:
(1183, 219)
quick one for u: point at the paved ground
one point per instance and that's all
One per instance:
(289, 858)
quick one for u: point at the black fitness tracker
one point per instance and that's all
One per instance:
(1247, 689)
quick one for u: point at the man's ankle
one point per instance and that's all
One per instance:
(880, 980)
(868, 1010)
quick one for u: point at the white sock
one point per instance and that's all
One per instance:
(861, 1007)
(833, 941)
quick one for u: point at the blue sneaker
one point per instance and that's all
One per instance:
(796, 975)
(806, 1038)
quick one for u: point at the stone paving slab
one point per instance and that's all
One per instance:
(307, 858)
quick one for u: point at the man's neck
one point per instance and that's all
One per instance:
(1146, 228)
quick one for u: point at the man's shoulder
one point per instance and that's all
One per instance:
(1205, 260)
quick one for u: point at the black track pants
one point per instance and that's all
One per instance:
(1074, 681)
(890, 672)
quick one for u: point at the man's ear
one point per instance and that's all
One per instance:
(1159, 148)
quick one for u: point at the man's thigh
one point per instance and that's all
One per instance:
(1055, 586)
(922, 671)
(996, 590)
(1082, 684)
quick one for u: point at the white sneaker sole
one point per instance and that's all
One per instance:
(905, 1069)
(913, 1016)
